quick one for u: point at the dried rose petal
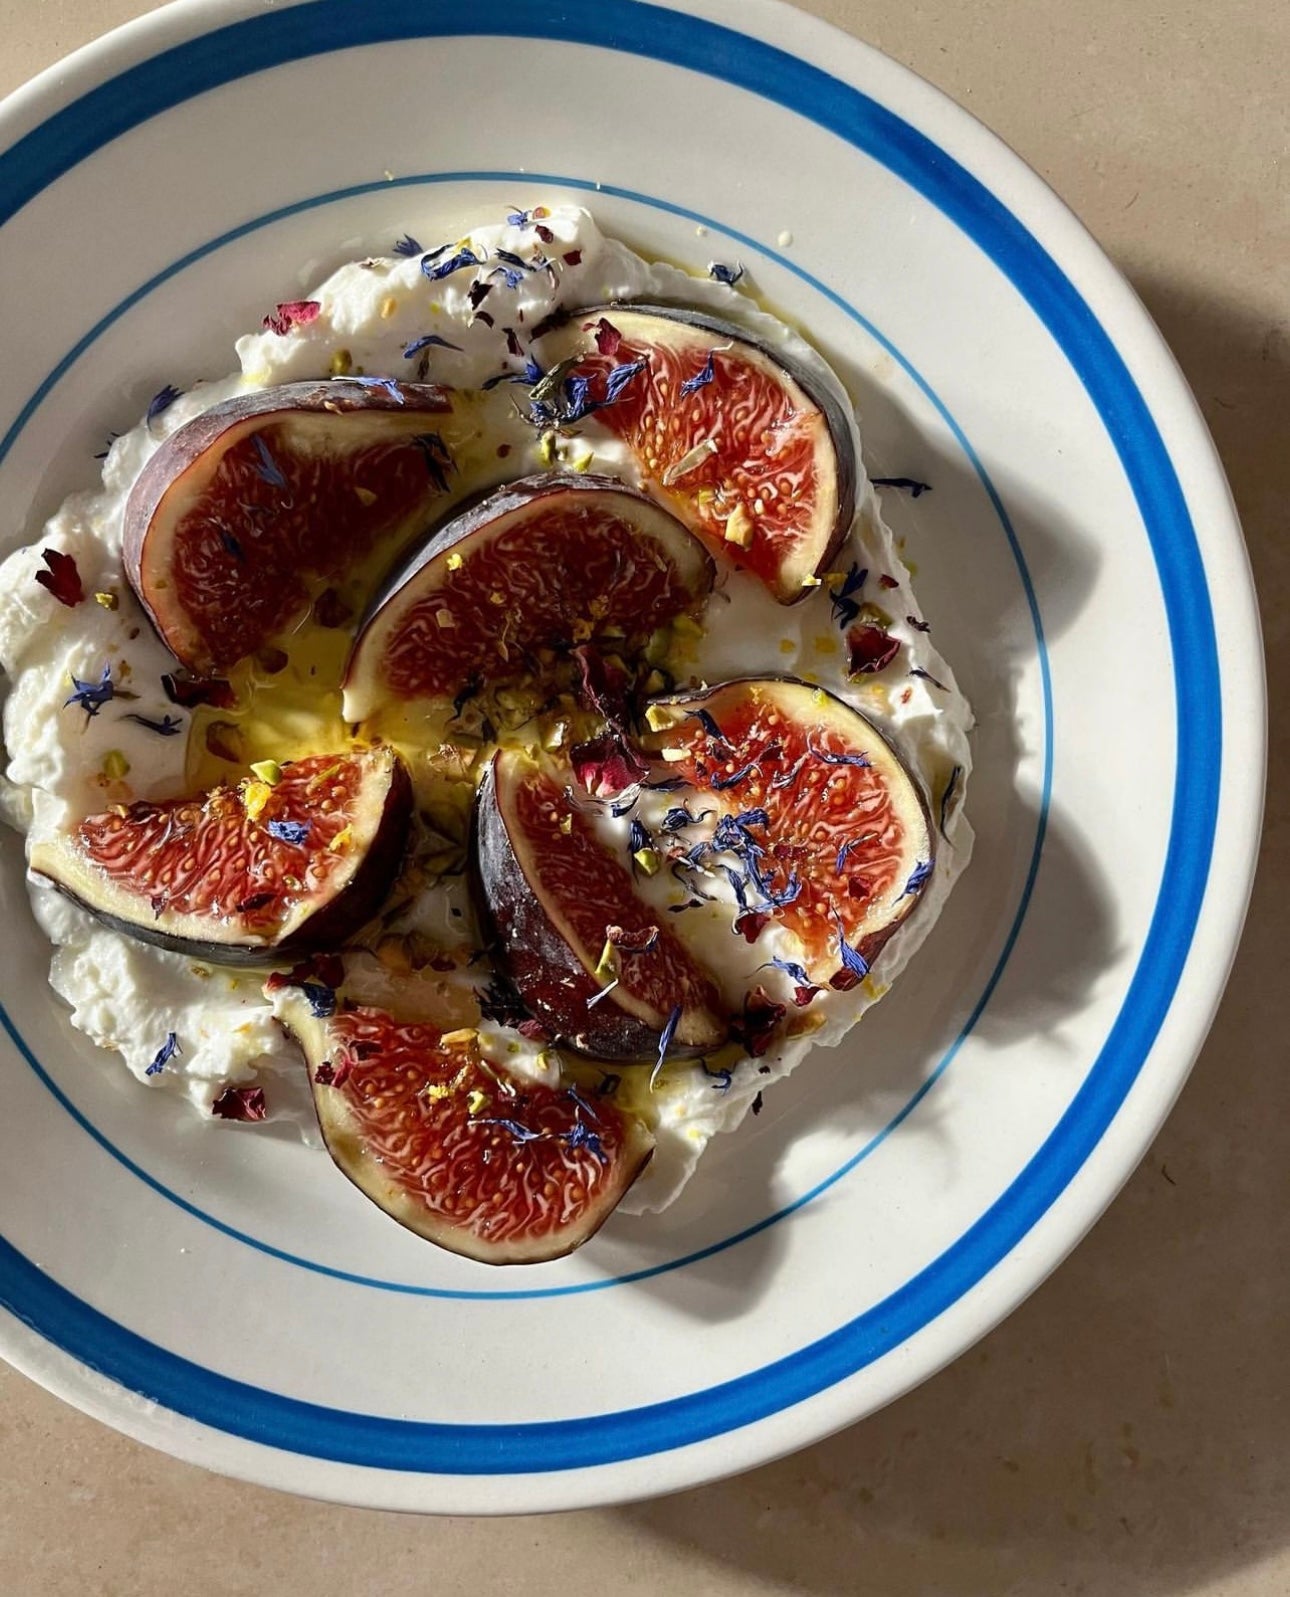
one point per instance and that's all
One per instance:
(608, 338)
(604, 683)
(869, 648)
(62, 579)
(291, 313)
(605, 766)
(240, 1103)
(750, 924)
(754, 1029)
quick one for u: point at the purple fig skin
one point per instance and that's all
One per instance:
(346, 1145)
(330, 927)
(552, 981)
(361, 677)
(183, 453)
(837, 420)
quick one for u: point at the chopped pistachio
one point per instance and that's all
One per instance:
(607, 966)
(657, 717)
(566, 825)
(476, 1101)
(455, 561)
(115, 764)
(649, 860)
(255, 795)
(268, 771)
(739, 528)
(445, 620)
(365, 496)
(341, 363)
(686, 627)
(109, 601)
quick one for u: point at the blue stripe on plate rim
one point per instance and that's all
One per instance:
(511, 180)
(262, 42)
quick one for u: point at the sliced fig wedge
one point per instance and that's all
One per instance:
(551, 896)
(544, 562)
(244, 875)
(748, 450)
(457, 1149)
(241, 505)
(819, 815)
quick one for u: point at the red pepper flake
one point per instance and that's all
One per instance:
(756, 1105)
(870, 649)
(572, 258)
(325, 1076)
(888, 581)
(240, 1103)
(62, 579)
(802, 996)
(502, 451)
(291, 313)
(843, 980)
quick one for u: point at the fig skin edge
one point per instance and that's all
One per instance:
(836, 417)
(352, 905)
(182, 467)
(401, 589)
(344, 1141)
(533, 954)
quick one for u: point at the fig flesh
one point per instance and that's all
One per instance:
(554, 900)
(751, 451)
(543, 563)
(820, 817)
(239, 507)
(244, 875)
(459, 1150)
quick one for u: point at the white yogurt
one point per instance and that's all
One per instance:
(64, 763)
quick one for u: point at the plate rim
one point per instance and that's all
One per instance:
(187, 19)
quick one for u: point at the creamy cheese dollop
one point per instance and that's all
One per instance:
(65, 763)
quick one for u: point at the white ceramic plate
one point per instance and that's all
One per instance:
(228, 1297)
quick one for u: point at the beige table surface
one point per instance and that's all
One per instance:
(1127, 1432)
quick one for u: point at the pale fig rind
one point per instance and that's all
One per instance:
(356, 885)
(460, 1228)
(432, 627)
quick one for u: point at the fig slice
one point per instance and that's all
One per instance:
(244, 875)
(545, 562)
(820, 816)
(456, 1148)
(241, 505)
(749, 449)
(551, 896)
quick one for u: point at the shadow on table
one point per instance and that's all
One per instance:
(1127, 1431)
